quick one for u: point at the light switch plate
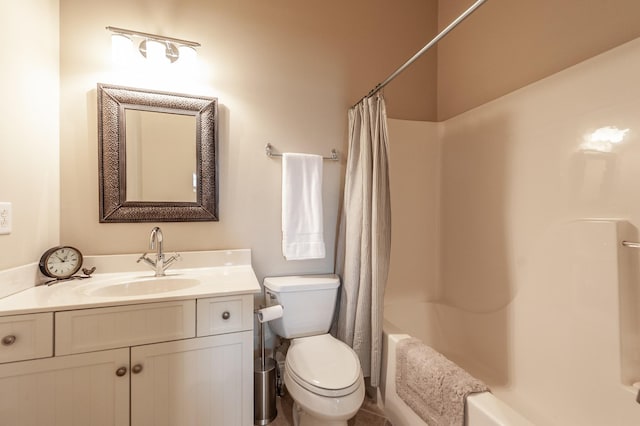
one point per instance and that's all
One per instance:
(5, 218)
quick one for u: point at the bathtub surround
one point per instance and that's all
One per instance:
(365, 234)
(529, 287)
(302, 223)
(434, 387)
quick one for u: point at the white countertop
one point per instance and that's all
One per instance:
(222, 279)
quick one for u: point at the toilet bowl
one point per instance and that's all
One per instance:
(322, 374)
(324, 378)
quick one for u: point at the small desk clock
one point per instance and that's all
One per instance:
(60, 262)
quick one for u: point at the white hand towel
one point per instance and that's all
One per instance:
(302, 232)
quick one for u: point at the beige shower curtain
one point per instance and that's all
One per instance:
(364, 240)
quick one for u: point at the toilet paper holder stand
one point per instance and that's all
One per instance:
(266, 373)
(263, 316)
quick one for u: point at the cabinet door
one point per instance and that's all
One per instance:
(75, 390)
(206, 381)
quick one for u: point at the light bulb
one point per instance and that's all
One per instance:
(121, 49)
(188, 55)
(154, 51)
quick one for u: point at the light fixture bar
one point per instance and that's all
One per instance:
(153, 37)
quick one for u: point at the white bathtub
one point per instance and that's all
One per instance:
(482, 409)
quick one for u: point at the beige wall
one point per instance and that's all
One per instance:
(270, 65)
(29, 123)
(284, 72)
(508, 44)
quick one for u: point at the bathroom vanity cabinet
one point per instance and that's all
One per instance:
(176, 362)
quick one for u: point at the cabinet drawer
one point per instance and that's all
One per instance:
(88, 330)
(227, 314)
(26, 337)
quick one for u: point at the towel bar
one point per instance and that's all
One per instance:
(269, 151)
(631, 244)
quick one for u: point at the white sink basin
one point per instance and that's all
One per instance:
(141, 287)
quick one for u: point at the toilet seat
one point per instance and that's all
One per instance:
(323, 365)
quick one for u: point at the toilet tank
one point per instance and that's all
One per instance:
(308, 302)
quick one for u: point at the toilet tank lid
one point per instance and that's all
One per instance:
(302, 282)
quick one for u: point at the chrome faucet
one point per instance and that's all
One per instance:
(155, 243)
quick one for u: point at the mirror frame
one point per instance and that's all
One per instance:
(114, 207)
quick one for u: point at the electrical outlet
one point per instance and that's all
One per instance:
(5, 218)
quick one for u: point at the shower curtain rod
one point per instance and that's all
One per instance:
(428, 46)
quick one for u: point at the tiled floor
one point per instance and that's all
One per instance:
(369, 414)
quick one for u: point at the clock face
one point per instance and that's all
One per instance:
(61, 262)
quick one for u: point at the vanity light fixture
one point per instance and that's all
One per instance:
(154, 47)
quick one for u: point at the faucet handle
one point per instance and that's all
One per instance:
(176, 257)
(141, 258)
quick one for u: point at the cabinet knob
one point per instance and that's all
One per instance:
(8, 340)
(121, 371)
(226, 315)
(136, 368)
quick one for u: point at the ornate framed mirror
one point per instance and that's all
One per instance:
(157, 156)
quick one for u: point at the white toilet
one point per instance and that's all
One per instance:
(322, 374)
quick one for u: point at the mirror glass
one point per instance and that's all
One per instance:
(157, 156)
(155, 140)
